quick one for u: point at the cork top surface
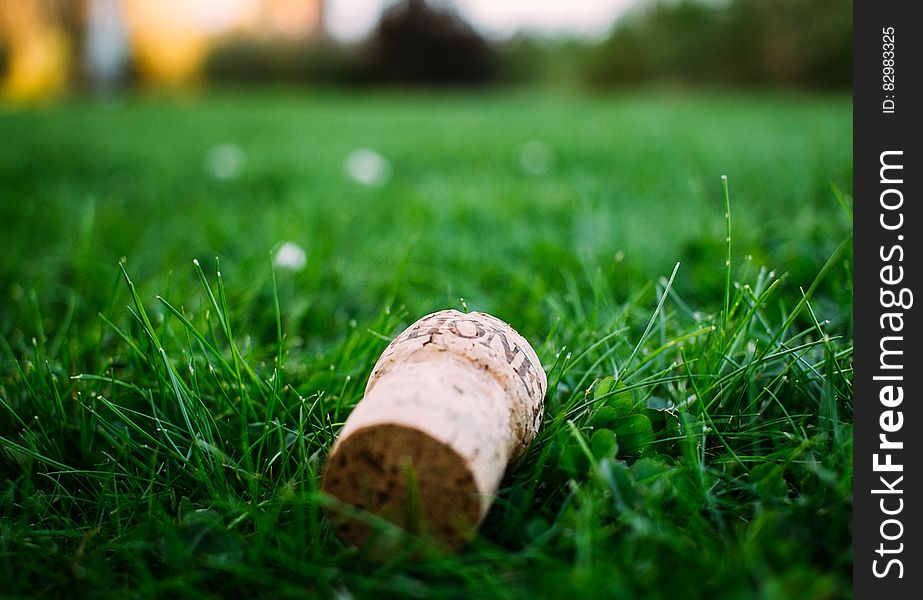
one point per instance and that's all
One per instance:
(406, 476)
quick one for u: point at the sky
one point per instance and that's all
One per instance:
(350, 20)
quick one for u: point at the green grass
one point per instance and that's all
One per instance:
(163, 422)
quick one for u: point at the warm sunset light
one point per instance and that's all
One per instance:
(37, 52)
(168, 39)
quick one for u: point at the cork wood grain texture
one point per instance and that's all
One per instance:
(449, 403)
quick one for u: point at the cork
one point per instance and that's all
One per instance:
(451, 401)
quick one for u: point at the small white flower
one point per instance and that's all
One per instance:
(225, 161)
(290, 256)
(536, 158)
(367, 167)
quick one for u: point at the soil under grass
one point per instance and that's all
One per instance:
(163, 423)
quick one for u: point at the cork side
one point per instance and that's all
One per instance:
(493, 347)
(450, 400)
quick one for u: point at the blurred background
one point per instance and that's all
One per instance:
(50, 46)
(491, 150)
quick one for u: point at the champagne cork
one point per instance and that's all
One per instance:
(451, 401)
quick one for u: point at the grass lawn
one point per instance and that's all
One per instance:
(162, 428)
